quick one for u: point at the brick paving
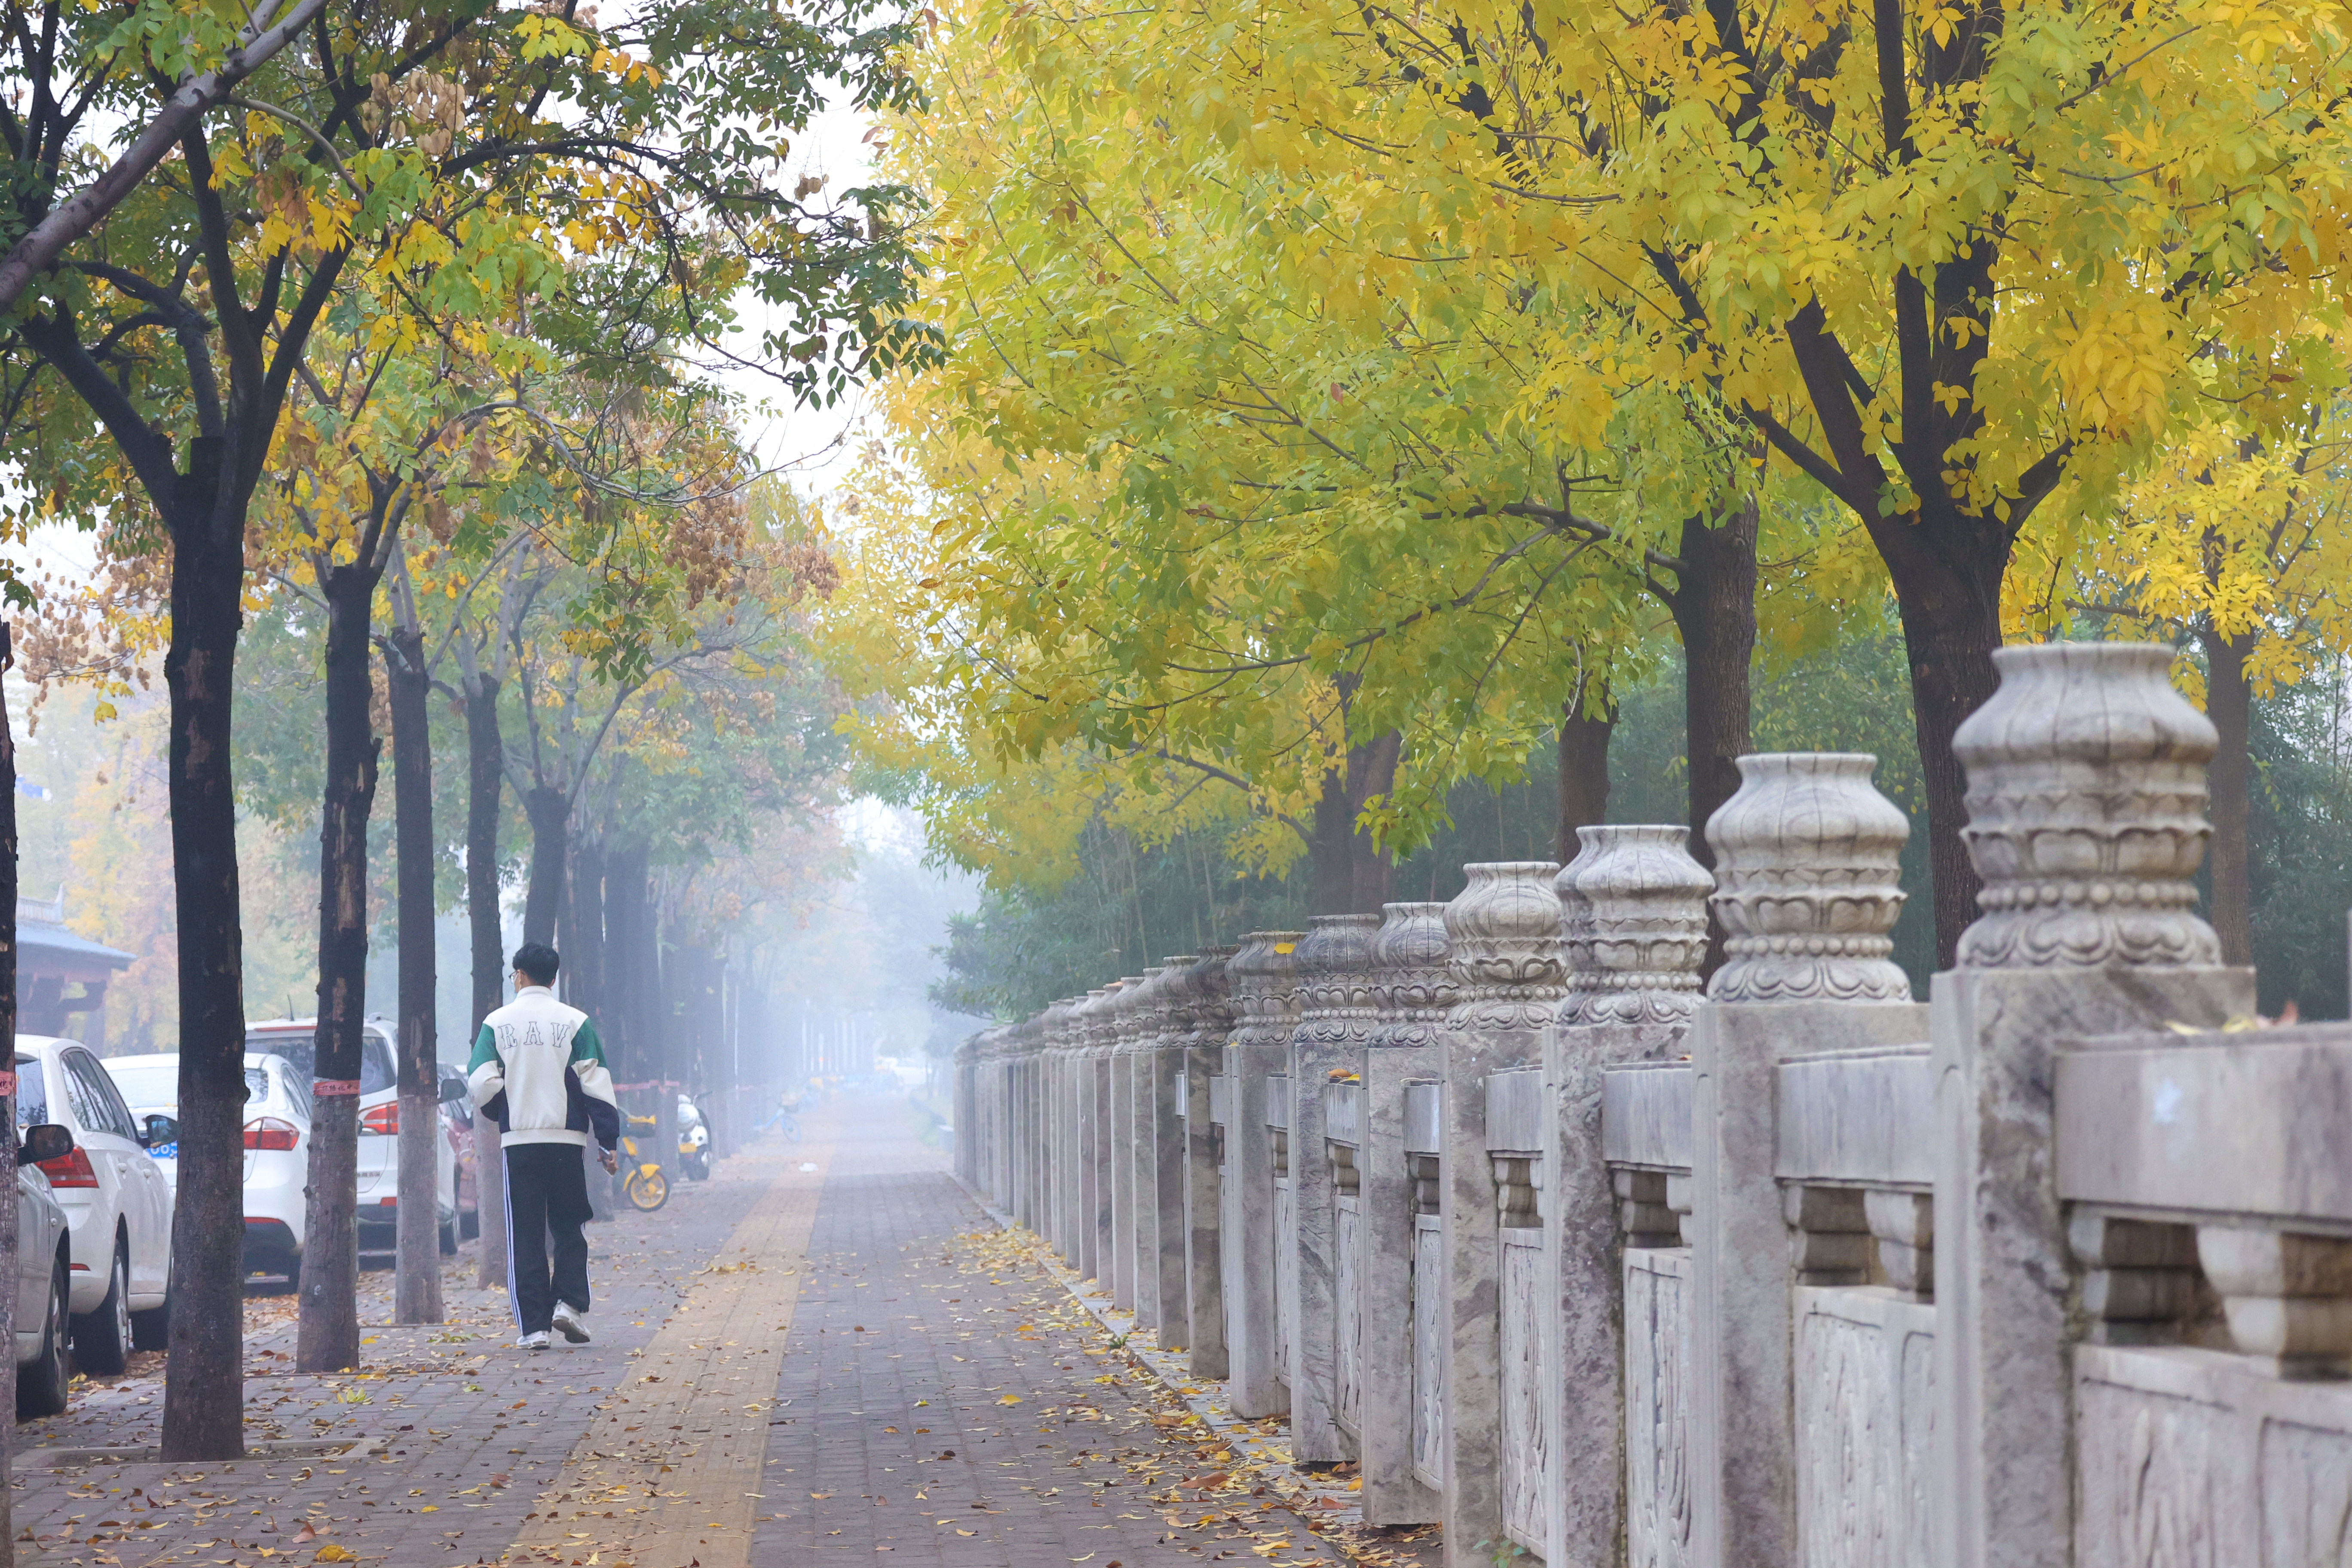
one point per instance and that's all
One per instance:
(457, 1432)
(944, 1400)
(931, 1393)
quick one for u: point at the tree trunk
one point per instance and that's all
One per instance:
(1714, 606)
(550, 810)
(486, 776)
(1951, 624)
(2229, 703)
(582, 930)
(416, 1294)
(327, 1333)
(626, 1004)
(1352, 872)
(203, 1391)
(1583, 773)
(9, 1240)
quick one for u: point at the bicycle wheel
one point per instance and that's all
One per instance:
(792, 1130)
(646, 1190)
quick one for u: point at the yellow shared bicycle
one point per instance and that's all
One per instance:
(642, 1182)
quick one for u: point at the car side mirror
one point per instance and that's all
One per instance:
(454, 1090)
(162, 1130)
(41, 1143)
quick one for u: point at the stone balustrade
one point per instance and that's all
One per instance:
(1595, 1266)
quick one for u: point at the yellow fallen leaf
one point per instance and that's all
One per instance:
(331, 1552)
(1015, 1399)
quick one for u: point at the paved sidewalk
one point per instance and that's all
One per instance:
(455, 1432)
(945, 1400)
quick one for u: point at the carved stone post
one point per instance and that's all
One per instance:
(1093, 1094)
(1059, 1137)
(1264, 982)
(2087, 820)
(1806, 856)
(1157, 1169)
(1120, 1053)
(1209, 1010)
(967, 1132)
(1635, 906)
(1336, 1015)
(1412, 992)
(1507, 955)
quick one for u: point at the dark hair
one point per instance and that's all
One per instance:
(537, 960)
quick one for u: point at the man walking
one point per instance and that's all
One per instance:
(539, 1072)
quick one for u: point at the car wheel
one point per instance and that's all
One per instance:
(101, 1340)
(152, 1330)
(42, 1384)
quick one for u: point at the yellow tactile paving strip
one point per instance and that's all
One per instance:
(668, 1476)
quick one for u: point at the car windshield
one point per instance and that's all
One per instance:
(147, 1085)
(300, 1051)
(32, 1093)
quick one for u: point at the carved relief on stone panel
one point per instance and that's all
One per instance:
(2307, 1486)
(1657, 1352)
(1347, 1231)
(1526, 1514)
(1847, 1434)
(1429, 1316)
(2157, 1473)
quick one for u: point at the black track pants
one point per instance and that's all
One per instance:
(547, 1199)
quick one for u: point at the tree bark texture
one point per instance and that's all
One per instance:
(1352, 873)
(327, 1332)
(1951, 624)
(580, 932)
(550, 811)
(485, 777)
(628, 993)
(416, 1292)
(10, 1242)
(1583, 773)
(1714, 606)
(204, 1392)
(2230, 705)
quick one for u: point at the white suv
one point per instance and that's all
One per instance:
(277, 1146)
(295, 1039)
(117, 1204)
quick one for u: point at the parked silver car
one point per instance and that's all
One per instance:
(43, 1271)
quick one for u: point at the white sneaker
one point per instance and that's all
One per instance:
(537, 1341)
(568, 1323)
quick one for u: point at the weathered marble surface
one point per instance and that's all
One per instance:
(1657, 1409)
(1263, 981)
(1203, 1050)
(1636, 922)
(1508, 954)
(1160, 1240)
(1865, 1426)
(1336, 1017)
(1410, 993)
(1806, 870)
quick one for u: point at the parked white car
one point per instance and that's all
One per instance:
(277, 1164)
(117, 1204)
(44, 1276)
(295, 1040)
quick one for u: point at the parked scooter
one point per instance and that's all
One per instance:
(693, 1141)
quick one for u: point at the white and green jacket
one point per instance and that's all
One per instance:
(539, 1072)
